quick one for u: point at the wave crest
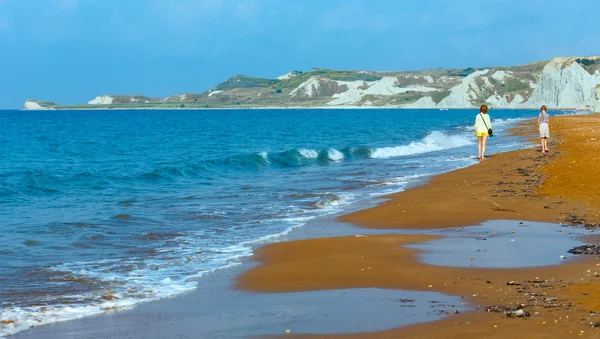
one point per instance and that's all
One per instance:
(434, 141)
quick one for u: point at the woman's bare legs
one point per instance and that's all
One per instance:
(479, 141)
(544, 145)
(483, 140)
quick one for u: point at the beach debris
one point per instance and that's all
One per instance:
(595, 325)
(360, 236)
(509, 312)
(574, 220)
(563, 257)
(585, 250)
(513, 283)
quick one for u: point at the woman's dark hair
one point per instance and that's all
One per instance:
(544, 108)
(483, 109)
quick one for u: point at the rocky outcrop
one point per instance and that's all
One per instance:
(386, 87)
(464, 94)
(319, 87)
(102, 100)
(34, 105)
(565, 83)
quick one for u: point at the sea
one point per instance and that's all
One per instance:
(101, 210)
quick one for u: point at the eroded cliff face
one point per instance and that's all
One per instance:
(35, 105)
(565, 83)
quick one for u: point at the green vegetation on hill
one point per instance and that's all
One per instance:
(242, 81)
(462, 72)
(439, 95)
(589, 64)
(46, 104)
(513, 85)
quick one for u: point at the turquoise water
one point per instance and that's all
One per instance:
(136, 204)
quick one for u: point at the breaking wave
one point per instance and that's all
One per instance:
(434, 141)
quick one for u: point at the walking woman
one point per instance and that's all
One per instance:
(483, 130)
(544, 127)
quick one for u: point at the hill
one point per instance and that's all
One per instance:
(565, 82)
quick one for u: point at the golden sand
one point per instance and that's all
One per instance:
(561, 186)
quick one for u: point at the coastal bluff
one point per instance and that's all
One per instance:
(564, 82)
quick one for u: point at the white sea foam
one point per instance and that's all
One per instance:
(435, 141)
(264, 156)
(308, 153)
(335, 155)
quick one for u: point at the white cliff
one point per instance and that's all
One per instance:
(463, 95)
(33, 105)
(102, 100)
(564, 83)
(309, 88)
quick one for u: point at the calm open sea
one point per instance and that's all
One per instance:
(103, 209)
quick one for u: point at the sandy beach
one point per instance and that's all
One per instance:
(524, 185)
(371, 275)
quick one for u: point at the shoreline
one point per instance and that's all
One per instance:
(156, 305)
(533, 187)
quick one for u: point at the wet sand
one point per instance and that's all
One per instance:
(524, 185)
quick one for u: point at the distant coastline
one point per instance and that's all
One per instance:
(270, 108)
(572, 82)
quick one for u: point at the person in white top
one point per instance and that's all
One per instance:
(483, 126)
(544, 127)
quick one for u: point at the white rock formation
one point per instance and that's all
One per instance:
(310, 87)
(462, 94)
(498, 101)
(387, 86)
(352, 96)
(214, 93)
(565, 84)
(287, 76)
(34, 106)
(501, 75)
(102, 100)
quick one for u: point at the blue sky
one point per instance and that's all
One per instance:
(70, 51)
